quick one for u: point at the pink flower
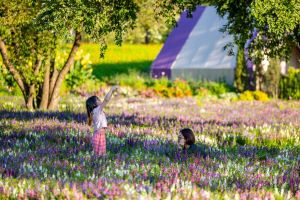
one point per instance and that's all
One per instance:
(298, 195)
(205, 195)
(31, 158)
(31, 193)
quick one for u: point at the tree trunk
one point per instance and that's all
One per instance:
(147, 36)
(53, 76)
(30, 104)
(259, 78)
(45, 90)
(30, 98)
(257, 83)
(55, 93)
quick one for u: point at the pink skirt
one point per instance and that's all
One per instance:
(99, 142)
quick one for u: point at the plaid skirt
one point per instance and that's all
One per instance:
(99, 142)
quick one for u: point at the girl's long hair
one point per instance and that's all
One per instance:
(91, 103)
(188, 135)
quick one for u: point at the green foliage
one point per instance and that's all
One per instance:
(7, 84)
(133, 79)
(80, 72)
(202, 92)
(278, 22)
(177, 88)
(149, 28)
(210, 88)
(181, 88)
(25, 43)
(7, 79)
(32, 31)
(290, 84)
(217, 88)
(161, 87)
(96, 18)
(253, 95)
(171, 10)
(282, 19)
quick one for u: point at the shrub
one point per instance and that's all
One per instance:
(253, 95)
(202, 91)
(80, 72)
(209, 88)
(260, 96)
(229, 96)
(161, 87)
(246, 96)
(289, 85)
(134, 79)
(166, 88)
(181, 88)
(217, 88)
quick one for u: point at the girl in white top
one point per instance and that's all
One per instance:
(94, 108)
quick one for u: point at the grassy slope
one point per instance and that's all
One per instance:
(122, 60)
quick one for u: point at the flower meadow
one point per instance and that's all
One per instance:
(244, 150)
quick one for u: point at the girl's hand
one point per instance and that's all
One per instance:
(115, 87)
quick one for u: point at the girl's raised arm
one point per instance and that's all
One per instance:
(108, 96)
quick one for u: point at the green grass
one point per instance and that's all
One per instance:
(109, 70)
(121, 60)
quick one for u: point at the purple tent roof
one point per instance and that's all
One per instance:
(177, 38)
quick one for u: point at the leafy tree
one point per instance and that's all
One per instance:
(277, 22)
(170, 9)
(32, 32)
(149, 28)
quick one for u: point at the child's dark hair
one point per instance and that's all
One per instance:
(188, 135)
(91, 103)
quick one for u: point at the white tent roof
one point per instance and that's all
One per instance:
(198, 54)
(204, 47)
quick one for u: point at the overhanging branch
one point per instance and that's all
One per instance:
(10, 66)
